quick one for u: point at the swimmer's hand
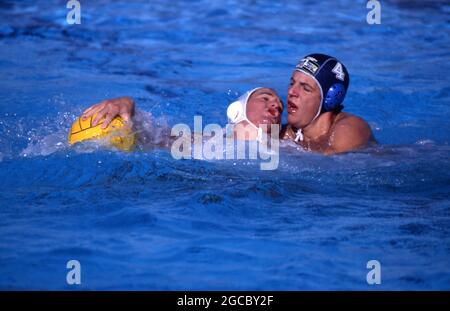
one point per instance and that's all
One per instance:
(109, 109)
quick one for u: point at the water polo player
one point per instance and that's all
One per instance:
(254, 112)
(314, 104)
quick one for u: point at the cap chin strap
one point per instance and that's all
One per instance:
(260, 133)
(257, 128)
(299, 133)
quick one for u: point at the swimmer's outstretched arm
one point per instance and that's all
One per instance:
(109, 109)
(150, 132)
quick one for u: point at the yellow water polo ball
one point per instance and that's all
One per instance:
(117, 134)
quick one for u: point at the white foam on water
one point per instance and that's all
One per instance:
(46, 145)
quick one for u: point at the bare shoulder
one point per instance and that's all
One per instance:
(349, 132)
(352, 122)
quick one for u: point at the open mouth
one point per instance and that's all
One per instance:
(272, 116)
(273, 112)
(292, 108)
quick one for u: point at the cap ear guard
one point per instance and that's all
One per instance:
(235, 112)
(334, 97)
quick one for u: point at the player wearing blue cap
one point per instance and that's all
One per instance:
(314, 104)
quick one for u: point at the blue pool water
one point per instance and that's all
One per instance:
(146, 221)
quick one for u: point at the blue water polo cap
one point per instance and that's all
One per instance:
(331, 76)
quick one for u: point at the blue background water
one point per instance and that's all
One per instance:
(146, 221)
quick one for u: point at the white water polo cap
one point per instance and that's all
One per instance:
(237, 110)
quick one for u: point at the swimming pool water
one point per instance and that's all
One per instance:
(146, 221)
